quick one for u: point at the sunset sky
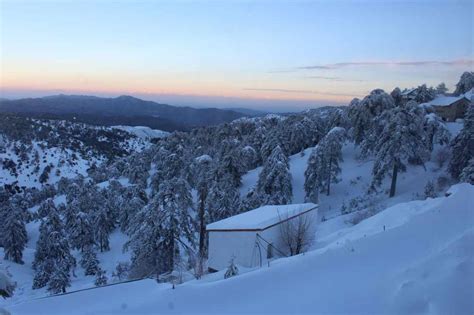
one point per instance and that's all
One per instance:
(261, 54)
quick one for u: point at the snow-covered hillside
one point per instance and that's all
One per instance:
(355, 179)
(34, 152)
(415, 257)
(143, 131)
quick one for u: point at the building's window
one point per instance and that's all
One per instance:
(269, 251)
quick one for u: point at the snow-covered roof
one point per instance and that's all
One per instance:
(408, 91)
(445, 100)
(261, 218)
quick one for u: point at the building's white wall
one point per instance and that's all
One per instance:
(223, 245)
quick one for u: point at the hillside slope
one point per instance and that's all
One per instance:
(122, 110)
(392, 262)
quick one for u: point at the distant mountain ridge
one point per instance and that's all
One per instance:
(122, 110)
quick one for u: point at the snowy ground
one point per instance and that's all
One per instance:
(143, 132)
(421, 262)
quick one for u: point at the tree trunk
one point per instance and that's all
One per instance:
(394, 179)
(329, 176)
(202, 223)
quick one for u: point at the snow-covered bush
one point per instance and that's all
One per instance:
(467, 174)
(7, 286)
(361, 215)
(430, 191)
(101, 278)
(365, 202)
(122, 271)
(232, 270)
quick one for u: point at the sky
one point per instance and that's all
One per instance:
(267, 55)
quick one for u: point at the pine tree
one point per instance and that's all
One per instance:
(223, 199)
(201, 172)
(14, 236)
(274, 181)
(53, 260)
(463, 145)
(466, 83)
(401, 137)
(134, 199)
(60, 278)
(362, 113)
(424, 94)
(158, 229)
(176, 221)
(435, 131)
(89, 261)
(101, 278)
(145, 241)
(103, 225)
(81, 231)
(46, 207)
(323, 164)
(441, 89)
(467, 174)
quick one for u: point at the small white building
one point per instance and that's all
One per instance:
(254, 237)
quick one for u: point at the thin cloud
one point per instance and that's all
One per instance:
(337, 79)
(339, 65)
(300, 92)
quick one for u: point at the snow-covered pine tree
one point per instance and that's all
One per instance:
(396, 94)
(53, 261)
(435, 131)
(271, 142)
(14, 236)
(101, 278)
(103, 226)
(229, 164)
(441, 89)
(89, 261)
(463, 145)
(223, 199)
(145, 241)
(81, 231)
(157, 230)
(46, 207)
(362, 113)
(274, 181)
(323, 164)
(424, 94)
(60, 278)
(401, 137)
(134, 199)
(467, 174)
(313, 178)
(176, 219)
(201, 172)
(465, 84)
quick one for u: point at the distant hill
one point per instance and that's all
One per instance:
(122, 110)
(248, 111)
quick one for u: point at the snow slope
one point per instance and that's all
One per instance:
(143, 131)
(415, 257)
